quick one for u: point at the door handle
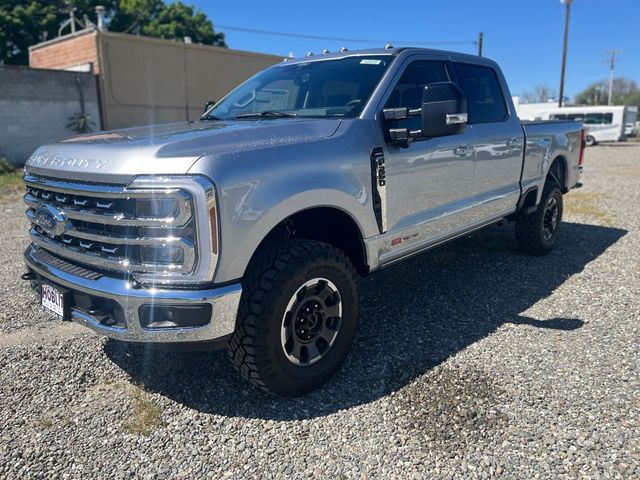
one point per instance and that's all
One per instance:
(463, 150)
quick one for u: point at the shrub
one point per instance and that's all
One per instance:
(6, 166)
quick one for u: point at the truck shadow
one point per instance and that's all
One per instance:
(415, 316)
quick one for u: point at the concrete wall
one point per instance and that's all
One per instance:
(35, 106)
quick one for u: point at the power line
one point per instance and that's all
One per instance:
(339, 39)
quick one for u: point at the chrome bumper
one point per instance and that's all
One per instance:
(224, 303)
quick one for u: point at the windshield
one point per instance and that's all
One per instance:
(326, 88)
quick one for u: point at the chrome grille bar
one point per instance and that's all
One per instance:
(73, 231)
(84, 189)
(105, 262)
(97, 216)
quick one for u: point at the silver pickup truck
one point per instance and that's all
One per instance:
(250, 227)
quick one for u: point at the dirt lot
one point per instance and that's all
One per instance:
(472, 361)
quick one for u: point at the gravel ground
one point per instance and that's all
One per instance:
(472, 361)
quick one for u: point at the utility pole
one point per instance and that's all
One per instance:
(612, 63)
(564, 49)
(480, 38)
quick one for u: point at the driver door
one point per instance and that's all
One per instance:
(430, 181)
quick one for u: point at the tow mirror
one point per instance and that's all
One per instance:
(443, 112)
(208, 105)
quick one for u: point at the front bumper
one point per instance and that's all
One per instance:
(125, 300)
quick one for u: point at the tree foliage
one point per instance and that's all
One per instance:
(178, 20)
(624, 92)
(131, 16)
(26, 22)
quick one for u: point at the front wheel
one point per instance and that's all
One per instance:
(537, 233)
(590, 141)
(297, 317)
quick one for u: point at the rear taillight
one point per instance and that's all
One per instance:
(582, 145)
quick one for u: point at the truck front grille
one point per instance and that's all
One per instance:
(148, 228)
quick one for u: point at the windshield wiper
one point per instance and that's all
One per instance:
(209, 117)
(266, 113)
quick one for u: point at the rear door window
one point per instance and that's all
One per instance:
(485, 100)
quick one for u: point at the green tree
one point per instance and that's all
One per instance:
(178, 20)
(624, 92)
(23, 23)
(132, 15)
(26, 22)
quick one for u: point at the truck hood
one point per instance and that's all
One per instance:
(119, 155)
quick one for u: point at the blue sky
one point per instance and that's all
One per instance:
(523, 36)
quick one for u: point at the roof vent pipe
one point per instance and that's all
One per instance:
(100, 11)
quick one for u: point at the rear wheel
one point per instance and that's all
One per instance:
(537, 233)
(297, 317)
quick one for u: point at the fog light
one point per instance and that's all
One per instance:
(154, 316)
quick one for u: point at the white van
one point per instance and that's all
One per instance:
(601, 123)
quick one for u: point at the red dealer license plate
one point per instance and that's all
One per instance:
(54, 300)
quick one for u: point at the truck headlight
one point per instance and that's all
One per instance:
(157, 207)
(181, 245)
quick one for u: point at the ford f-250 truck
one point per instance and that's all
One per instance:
(250, 227)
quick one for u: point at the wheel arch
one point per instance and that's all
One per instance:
(329, 224)
(557, 171)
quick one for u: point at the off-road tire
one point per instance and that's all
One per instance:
(530, 229)
(272, 278)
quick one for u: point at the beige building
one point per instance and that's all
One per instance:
(144, 80)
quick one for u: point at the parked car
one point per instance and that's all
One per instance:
(251, 227)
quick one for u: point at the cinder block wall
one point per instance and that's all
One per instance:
(35, 106)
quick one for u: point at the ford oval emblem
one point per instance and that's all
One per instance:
(51, 220)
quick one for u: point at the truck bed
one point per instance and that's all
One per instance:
(545, 141)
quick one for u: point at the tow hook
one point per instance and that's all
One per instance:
(28, 276)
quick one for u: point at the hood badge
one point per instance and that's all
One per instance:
(51, 220)
(44, 160)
